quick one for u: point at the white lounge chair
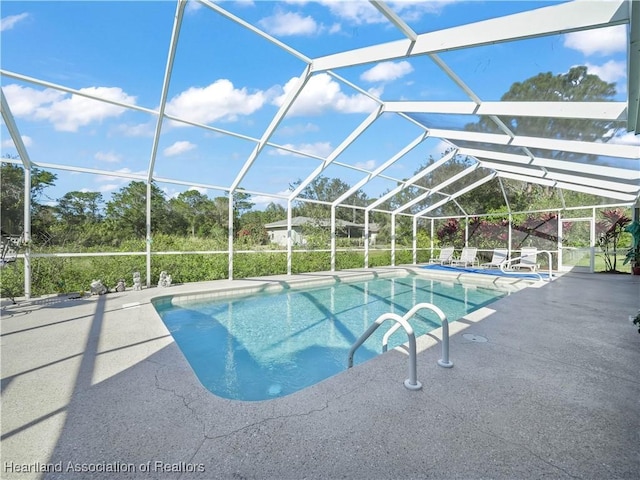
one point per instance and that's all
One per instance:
(9, 248)
(446, 255)
(499, 257)
(528, 259)
(467, 258)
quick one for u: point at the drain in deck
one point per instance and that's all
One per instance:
(474, 338)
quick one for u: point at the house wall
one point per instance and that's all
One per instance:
(279, 236)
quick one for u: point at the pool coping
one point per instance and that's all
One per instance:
(278, 283)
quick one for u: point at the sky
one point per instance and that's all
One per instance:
(228, 77)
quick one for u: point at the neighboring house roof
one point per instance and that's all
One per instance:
(301, 221)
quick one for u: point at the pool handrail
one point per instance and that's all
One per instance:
(506, 263)
(444, 361)
(412, 382)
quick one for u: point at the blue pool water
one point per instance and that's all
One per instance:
(271, 345)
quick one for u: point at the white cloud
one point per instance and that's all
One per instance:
(139, 130)
(26, 140)
(192, 7)
(108, 157)
(178, 148)
(368, 165)
(601, 41)
(412, 10)
(202, 190)
(363, 13)
(291, 130)
(262, 201)
(612, 71)
(321, 149)
(289, 24)
(66, 112)
(439, 149)
(120, 180)
(24, 101)
(387, 71)
(218, 101)
(355, 13)
(322, 94)
(7, 23)
(109, 187)
(170, 192)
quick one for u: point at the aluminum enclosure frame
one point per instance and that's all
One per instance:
(618, 183)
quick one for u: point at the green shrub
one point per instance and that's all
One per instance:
(379, 258)
(12, 280)
(404, 256)
(190, 268)
(303, 262)
(259, 264)
(345, 260)
(75, 274)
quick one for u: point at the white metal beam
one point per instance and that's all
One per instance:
(594, 182)
(255, 30)
(508, 167)
(583, 168)
(466, 189)
(581, 110)
(555, 19)
(380, 169)
(597, 191)
(73, 91)
(547, 182)
(437, 188)
(279, 116)
(574, 146)
(571, 178)
(569, 186)
(467, 136)
(412, 180)
(341, 148)
(400, 24)
(9, 121)
(633, 68)
(173, 46)
(504, 195)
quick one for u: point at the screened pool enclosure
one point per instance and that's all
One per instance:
(383, 130)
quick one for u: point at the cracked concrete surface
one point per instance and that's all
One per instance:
(553, 393)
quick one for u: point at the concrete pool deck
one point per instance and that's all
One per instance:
(98, 384)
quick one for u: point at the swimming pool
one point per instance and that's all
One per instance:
(273, 344)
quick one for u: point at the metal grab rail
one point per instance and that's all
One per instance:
(412, 382)
(511, 272)
(444, 361)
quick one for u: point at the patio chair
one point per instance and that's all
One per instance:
(9, 249)
(467, 258)
(499, 257)
(446, 255)
(528, 259)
